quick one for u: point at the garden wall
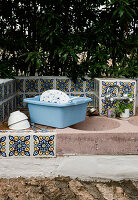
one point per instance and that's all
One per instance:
(12, 92)
(7, 98)
(32, 86)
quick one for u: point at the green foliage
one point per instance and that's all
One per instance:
(121, 106)
(47, 37)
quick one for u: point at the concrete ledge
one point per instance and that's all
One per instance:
(82, 167)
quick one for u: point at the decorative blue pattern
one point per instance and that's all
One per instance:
(1, 91)
(62, 84)
(89, 85)
(46, 84)
(31, 85)
(3, 146)
(77, 87)
(44, 145)
(5, 91)
(19, 85)
(19, 145)
(1, 113)
(19, 100)
(6, 110)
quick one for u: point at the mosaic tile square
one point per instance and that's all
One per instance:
(19, 145)
(6, 110)
(62, 84)
(19, 85)
(30, 95)
(3, 146)
(1, 91)
(46, 84)
(92, 98)
(14, 103)
(10, 106)
(1, 113)
(5, 90)
(10, 88)
(44, 145)
(31, 85)
(77, 87)
(110, 88)
(19, 101)
(89, 85)
(14, 86)
(127, 88)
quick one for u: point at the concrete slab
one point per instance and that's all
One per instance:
(82, 167)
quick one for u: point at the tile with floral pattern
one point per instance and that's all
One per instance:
(89, 85)
(62, 84)
(19, 85)
(46, 84)
(3, 146)
(31, 85)
(44, 145)
(77, 87)
(19, 145)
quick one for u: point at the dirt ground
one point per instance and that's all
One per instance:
(65, 188)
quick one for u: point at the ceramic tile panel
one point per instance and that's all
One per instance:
(107, 87)
(46, 84)
(3, 146)
(127, 88)
(14, 103)
(5, 90)
(62, 84)
(14, 86)
(19, 85)
(10, 90)
(6, 110)
(10, 105)
(113, 87)
(1, 113)
(44, 145)
(92, 98)
(27, 143)
(19, 100)
(31, 85)
(89, 85)
(1, 91)
(77, 87)
(19, 145)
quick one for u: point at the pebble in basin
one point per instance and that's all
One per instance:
(97, 124)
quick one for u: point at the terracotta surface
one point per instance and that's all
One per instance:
(96, 124)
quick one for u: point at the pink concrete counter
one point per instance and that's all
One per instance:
(99, 136)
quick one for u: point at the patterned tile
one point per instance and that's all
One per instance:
(31, 85)
(127, 88)
(107, 86)
(1, 91)
(44, 145)
(1, 113)
(9, 88)
(6, 110)
(46, 84)
(14, 104)
(77, 87)
(92, 98)
(19, 145)
(89, 85)
(62, 84)
(19, 100)
(19, 85)
(3, 146)
(5, 90)
(10, 106)
(30, 95)
(14, 86)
